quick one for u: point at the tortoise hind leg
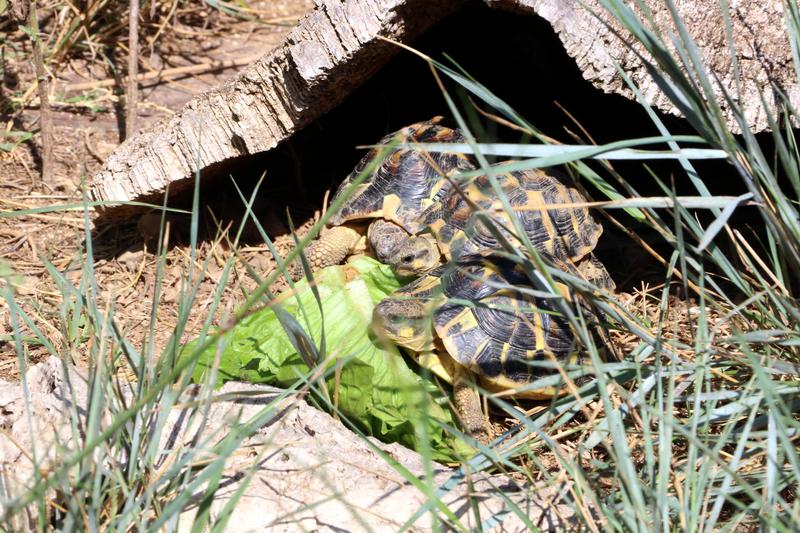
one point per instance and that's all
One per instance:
(331, 248)
(468, 405)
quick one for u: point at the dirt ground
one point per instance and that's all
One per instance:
(89, 125)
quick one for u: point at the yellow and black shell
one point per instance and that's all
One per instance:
(553, 215)
(407, 180)
(491, 320)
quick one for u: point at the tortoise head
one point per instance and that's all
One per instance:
(416, 256)
(405, 322)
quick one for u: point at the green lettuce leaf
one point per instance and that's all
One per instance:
(369, 382)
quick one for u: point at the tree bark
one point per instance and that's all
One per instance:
(763, 52)
(331, 52)
(337, 47)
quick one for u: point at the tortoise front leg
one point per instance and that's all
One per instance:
(331, 248)
(468, 405)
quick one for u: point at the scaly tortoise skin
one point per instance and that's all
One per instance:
(505, 336)
(389, 201)
(550, 213)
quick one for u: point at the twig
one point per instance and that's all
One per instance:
(21, 161)
(169, 73)
(162, 25)
(89, 148)
(132, 100)
(44, 89)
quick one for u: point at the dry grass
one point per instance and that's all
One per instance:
(125, 273)
(184, 37)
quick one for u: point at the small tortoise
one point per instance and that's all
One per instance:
(552, 215)
(406, 181)
(480, 318)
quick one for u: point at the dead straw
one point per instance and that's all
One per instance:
(132, 100)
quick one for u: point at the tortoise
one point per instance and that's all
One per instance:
(480, 318)
(553, 216)
(406, 181)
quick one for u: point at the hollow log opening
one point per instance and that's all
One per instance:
(521, 60)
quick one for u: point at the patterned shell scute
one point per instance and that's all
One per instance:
(504, 334)
(407, 180)
(567, 232)
(489, 322)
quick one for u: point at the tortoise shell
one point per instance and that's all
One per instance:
(406, 180)
(545, 207)
(490, 322)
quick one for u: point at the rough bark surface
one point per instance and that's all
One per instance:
(312, 474)
(764, 56)
(332, 51)
(336, 48)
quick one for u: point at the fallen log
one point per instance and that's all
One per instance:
(338, 47)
